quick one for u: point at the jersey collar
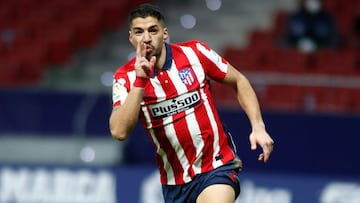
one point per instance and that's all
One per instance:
(168, 60)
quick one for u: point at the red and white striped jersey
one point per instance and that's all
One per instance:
(178, 111)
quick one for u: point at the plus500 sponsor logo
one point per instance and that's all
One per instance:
(175, 105)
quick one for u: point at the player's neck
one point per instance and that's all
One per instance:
(160, 60)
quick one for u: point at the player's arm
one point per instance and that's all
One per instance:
(124, 118)
(249, 103)
(245, 95)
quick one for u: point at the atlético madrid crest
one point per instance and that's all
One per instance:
(187, 76)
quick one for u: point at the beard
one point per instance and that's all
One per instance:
(148, 56)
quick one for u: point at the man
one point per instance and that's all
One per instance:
(167, 87)
(311, 27)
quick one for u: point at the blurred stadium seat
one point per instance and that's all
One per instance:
(244, 59)
(336, 62)
(265, 53)
(42, 33)
(282, 97)
(36, 34)
(286, 60)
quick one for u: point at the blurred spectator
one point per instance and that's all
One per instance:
(311, 27)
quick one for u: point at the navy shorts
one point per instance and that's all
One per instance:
(188, 193)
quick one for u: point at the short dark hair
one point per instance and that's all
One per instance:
(146, 10)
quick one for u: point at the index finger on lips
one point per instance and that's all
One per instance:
(140, 51)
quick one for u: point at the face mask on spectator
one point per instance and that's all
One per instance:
(313, 6)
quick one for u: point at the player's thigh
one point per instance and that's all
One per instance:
(217, 193)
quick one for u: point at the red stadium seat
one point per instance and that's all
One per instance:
(336, 62)
(9, 71)
(114, 13)
(7, 15)
(87, 26)
(329, 99)
(59, 43)
(355, 99)
(23, 66)
(264, 54)
(244, 59)
(48, 32)
(262, 40)
(279, 25)
(286, 60)
(282, 97)
(224, 96)
(33, 61)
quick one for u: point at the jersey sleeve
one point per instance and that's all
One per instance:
(215, 65)
(119, 92)
(121, 87)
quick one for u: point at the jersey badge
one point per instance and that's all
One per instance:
(187, 76)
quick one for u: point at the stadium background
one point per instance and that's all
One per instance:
(56, 62)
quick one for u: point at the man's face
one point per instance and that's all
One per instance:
(150, 32)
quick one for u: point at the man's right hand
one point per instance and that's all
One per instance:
(143, 67)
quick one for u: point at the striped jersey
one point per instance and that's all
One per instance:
(178, 111)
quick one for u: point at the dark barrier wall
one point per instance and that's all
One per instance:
(49, 112)
(316, 143)
(305, 142)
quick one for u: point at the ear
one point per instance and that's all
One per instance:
(166, 34)
(130, 38)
